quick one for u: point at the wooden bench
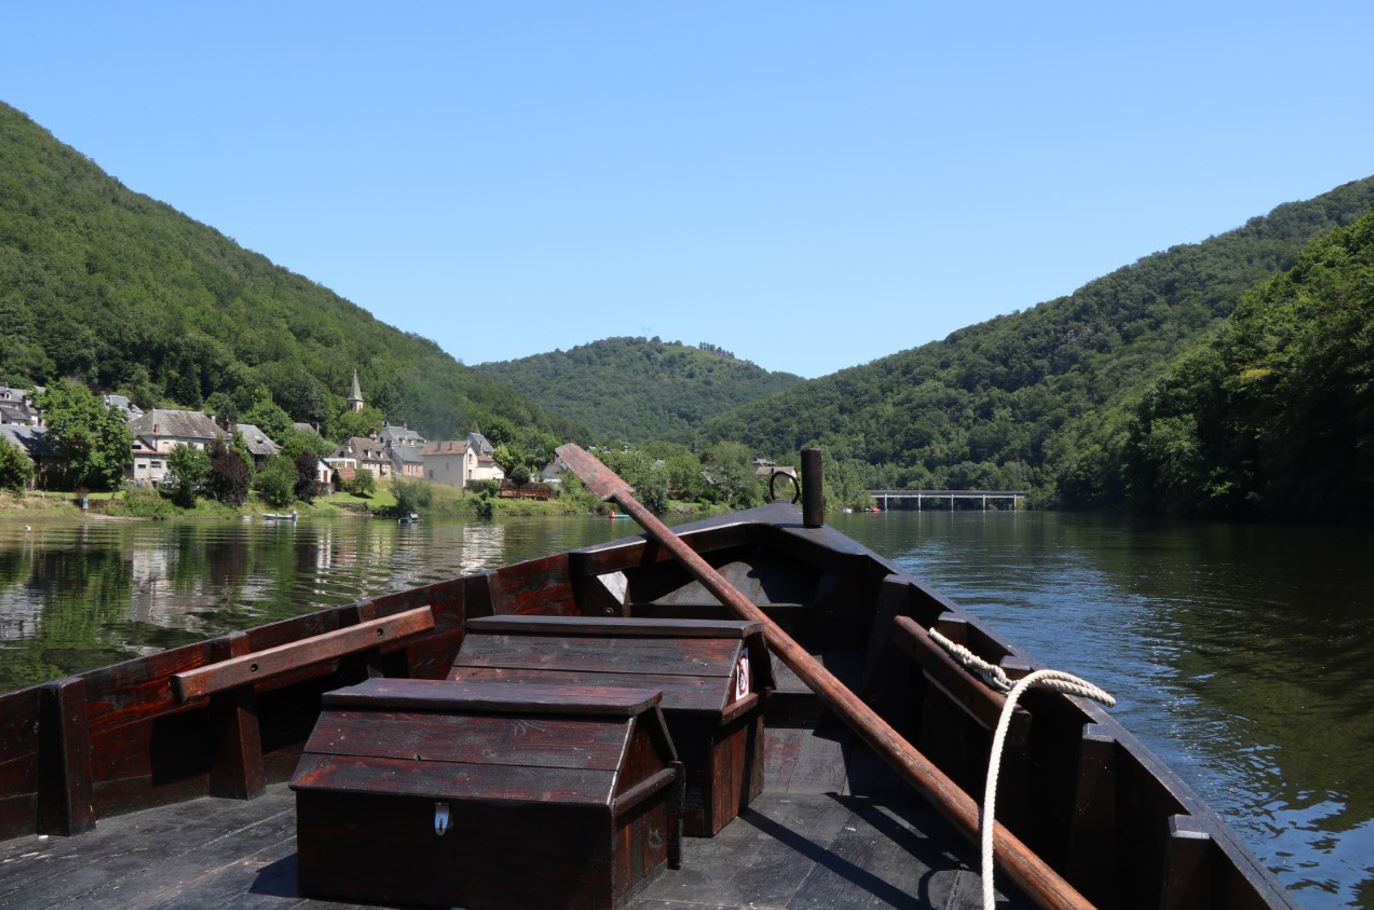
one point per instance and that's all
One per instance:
(229, 683)
(486, 795)
(714, 676)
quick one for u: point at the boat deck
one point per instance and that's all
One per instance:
(807, 842)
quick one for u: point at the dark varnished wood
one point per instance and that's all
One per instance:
(703, 694)
(587, 626)
(64, 795)
(248, 668)
(557, 797)
(495, 697)
(713, 729)
(1187, 883)
(238, 766)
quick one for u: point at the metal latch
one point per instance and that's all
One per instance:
(440, 818)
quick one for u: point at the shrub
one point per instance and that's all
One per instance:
(190, 472)
(411, 495)
(16, 471)
(277, 481)
(307, 487)
(361, 484)
(229, 475)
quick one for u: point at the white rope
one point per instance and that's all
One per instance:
(995, 676)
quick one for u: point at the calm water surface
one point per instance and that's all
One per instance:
(1241, 654)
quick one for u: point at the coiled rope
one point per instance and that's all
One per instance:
(996, 677)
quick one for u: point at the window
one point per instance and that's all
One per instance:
(155, 464)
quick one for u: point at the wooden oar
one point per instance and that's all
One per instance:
(1041, 883)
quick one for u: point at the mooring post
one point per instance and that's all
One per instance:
(813, 495)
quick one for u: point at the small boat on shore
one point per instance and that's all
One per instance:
(165, 777)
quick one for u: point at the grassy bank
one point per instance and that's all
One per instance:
(444, 502)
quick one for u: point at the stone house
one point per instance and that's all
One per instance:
(459, 462)
(34, 443)
(158, 431)
(259, 444)
(365, 454)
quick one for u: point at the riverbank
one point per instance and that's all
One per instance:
(443, 503)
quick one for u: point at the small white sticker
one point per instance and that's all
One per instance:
(742, 677)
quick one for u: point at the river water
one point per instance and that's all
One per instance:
(1239, 653)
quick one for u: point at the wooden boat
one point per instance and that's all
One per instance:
(160, 782)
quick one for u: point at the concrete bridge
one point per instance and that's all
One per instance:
(885, 497)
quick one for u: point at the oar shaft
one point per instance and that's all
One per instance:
(1040, 882)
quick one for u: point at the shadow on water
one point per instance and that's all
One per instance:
(1239, 654)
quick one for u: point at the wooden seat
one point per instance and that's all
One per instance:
(486, 795)
(714, 676)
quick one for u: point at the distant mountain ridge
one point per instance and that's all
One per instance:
(125, 293)
(1040, 398)
(634, 389)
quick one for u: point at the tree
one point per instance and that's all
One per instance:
(16, 471)
(519, 475)
(267, 415)
(729, 473)
(307, 486)
(93, 438)
(277, 481)
(355, 423)
(411, 495)
(362, 484)
(190, 469)
(229, 475)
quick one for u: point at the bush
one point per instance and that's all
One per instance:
(277, 481)
(190, 473)
(145, 502)
(411, 495)
(361, 484)
(16, 471)
(307, 487)
(229, 475)
(519, 475)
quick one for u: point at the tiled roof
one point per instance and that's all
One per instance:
(258, 442)
(445, 447)
(171, 422)
(32, 441)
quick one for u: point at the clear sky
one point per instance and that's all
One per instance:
(810, 185)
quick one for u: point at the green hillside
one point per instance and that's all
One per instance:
(638, 389)
(1039, 398)
(1274, 415)
(125, 293)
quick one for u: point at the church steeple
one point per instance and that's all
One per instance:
(355, 398)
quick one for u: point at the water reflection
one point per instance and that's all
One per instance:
(80, 595)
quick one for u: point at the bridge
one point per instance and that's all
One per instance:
(1016, 497)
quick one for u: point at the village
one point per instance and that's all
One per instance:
(386, 453)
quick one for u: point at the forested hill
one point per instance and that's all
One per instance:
(107, 285)
(1039, 398)
(1274, 416)
(639, 389)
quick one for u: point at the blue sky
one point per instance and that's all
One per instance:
(810, 185)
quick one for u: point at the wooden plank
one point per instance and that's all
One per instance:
(696, 694)
(237, 772)
(691, 657)
(138, 690)
(1091, 854)
(493, 697)
(624, 802)
(549, 742)
(536, 586)
(602, 627)
(451, 780)
(64, 794)
(250, 668)
(1187, 883)
(971, 694)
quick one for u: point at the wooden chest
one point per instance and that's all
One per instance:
(714, 676)
(486, 795)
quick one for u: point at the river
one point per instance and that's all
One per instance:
(1240, 653)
